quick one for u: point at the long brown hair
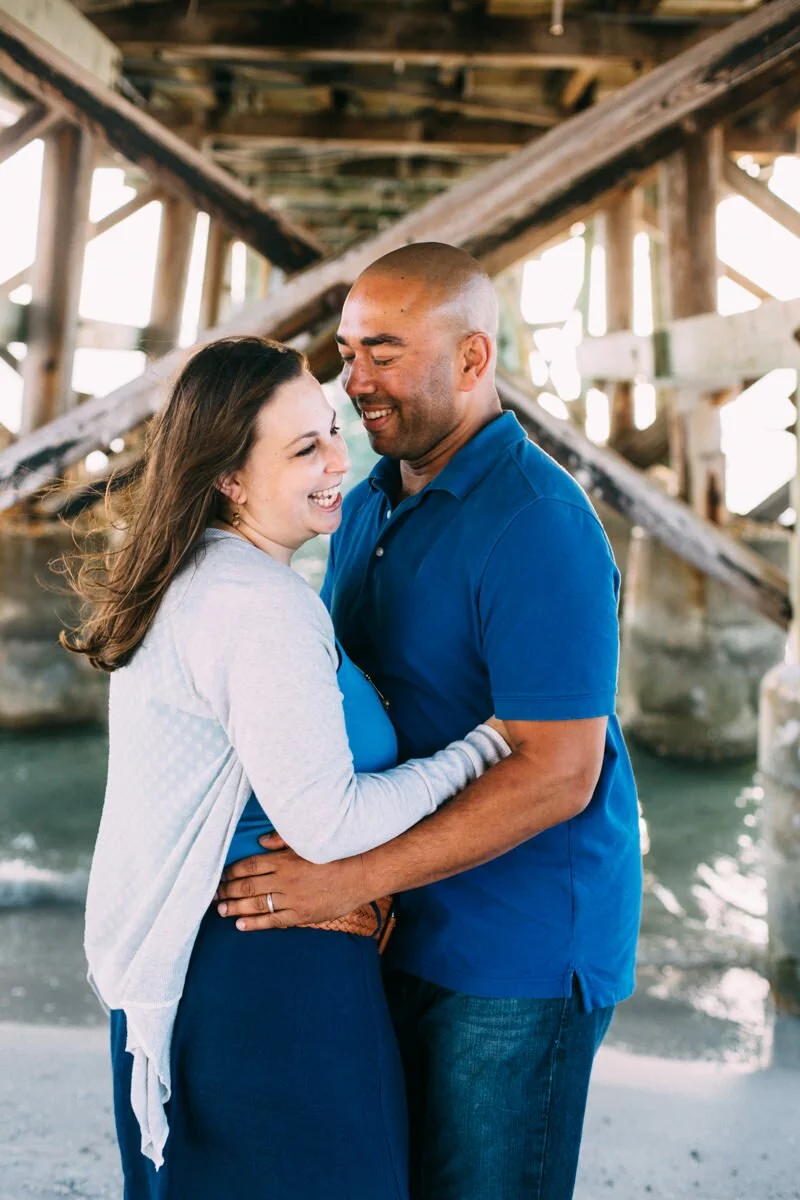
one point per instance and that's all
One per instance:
(205, 432)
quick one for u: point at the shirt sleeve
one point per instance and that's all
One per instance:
(548, 613)
(269, 677)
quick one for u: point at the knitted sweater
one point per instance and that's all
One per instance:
(233, 690)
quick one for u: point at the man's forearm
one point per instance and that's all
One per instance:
(494, 814)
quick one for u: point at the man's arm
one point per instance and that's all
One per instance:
(549, 778)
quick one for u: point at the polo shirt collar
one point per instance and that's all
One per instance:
(466, 468)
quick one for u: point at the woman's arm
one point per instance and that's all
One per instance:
(268, 673)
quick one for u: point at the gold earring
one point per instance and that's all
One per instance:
(236, 518)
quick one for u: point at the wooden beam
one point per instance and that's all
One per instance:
(569, 167)
(52, 316)
(764, 144)
(439, 39)
(217, 248)
(607, 476)
(749, 285)
(440, 99)
(620, 229)
(172, 270)
(576, 85)
(759, 194)
(60, 24)
(146, 196)
(709, 351)
(34, 123)
(181, 170)
(333, 131)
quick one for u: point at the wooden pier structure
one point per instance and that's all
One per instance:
(316, 137)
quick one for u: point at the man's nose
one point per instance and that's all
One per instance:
(359, 380)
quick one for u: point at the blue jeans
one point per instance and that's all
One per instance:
(496, 1090)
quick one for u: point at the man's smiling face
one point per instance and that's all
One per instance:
(400, 358)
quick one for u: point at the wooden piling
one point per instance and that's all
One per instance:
(56, 276)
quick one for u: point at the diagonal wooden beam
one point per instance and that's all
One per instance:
(759, 194)
(580, 161)
(142, 198)
(610, 478)
(181, 170)
(34, 123)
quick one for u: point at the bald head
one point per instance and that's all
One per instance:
(434, 278)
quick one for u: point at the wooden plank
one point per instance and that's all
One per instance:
(34, 123)
(749, 285)
(56, 276)
(305, 32)
(172, 271)
(409, 137)
(568, 168)
(709, 351)
(620, 229)
(177, 167)
(217, 248)
(60, 24)
(607, 476)
(759, 194)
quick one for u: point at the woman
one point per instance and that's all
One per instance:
(254, 1065)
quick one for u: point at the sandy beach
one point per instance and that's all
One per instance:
(656, 1127)
(691, 1099)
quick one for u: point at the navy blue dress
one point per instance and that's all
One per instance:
(286, 1079)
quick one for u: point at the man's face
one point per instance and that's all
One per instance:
(400, 363)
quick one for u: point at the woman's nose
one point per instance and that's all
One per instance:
(338, 459)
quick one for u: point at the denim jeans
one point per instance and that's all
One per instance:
(496, 1090)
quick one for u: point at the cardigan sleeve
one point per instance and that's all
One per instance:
(260, 650)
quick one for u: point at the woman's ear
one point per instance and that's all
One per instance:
(231, 488)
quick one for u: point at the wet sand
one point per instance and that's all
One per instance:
(659, 1128)
(686, 1100)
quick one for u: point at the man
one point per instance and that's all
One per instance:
(471, 575)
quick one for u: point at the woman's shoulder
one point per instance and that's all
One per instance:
(229, 580)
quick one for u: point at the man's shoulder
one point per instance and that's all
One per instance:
(526, 474)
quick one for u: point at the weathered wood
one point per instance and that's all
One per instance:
(759, 194)
(303, 31)
(620, 229)
(172, 270)
(59, 23)
(34, 123)
(409, 136)
(761, 143)
(177, 167)
(607, 476)
(749, 285)
(56, 275)
(709, 351)
(773, 506)
(566, 169)
(142, 198)
(217, 248)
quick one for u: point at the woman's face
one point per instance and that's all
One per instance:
(289, 489)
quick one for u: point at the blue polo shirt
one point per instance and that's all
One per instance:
(495, 590)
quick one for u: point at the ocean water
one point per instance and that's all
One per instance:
(703, 930)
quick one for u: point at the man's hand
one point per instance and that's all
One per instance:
(302, 892)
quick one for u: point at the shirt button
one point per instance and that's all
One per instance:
(379, 552)
(388, 513)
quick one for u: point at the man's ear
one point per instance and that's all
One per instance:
(476, 359)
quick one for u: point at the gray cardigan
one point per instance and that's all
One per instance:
(233, 690)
